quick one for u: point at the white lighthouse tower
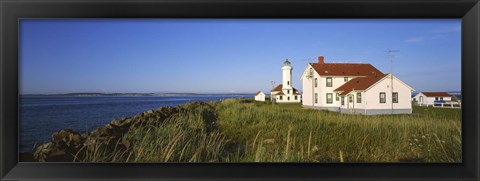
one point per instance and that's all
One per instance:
(285, 93)
(287, 76)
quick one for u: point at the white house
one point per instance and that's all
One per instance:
(354, 88)
(285, 93)
(429, 98)
(260, 96)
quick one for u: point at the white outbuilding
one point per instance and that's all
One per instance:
(354, 88)
(260, 96)
(285, 93)
(431, 98)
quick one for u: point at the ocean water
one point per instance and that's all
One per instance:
(40, 116)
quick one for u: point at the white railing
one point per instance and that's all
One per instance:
(446, 104)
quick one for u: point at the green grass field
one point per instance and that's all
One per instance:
(239, 130)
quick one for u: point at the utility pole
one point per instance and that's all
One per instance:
(391, 56)
(311, 76)
(271, 95)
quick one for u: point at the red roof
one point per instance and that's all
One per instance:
(436, 94)
(279, 88)
(359, 83)
(345, 69)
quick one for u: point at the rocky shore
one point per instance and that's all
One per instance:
(68, 146)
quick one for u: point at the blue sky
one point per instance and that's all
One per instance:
(226, 56)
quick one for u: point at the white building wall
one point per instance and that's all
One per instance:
(307, 96)
(428, 100)
(355, 104)
(285, 98)
(370, 99)
(372, 96)
(260, 97)
(321, 89)
(287, 88)
(424, 99)
(287, 77)
(307, 87)
(447, 98)
(337, 81)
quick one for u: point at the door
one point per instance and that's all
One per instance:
(420, 100)
(350, 104)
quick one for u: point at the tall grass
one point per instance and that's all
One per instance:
(189, 136)
(296, 134)
(238, 130)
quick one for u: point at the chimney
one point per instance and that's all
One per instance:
(321, 60)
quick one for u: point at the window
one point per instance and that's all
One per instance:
(337, 97)
(288, 98)
(395, 97)
(296, 97)
(315, 82)
(343, 101)
(441, 98)
(382, 97)
(345, 79)
(436, 98)
(288, 91)
(316, 98)
(329, 98)
(350, 99)
(359, 97)
(288, 82)
(281, 97)
(329, 82)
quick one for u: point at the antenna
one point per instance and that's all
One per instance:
(391, 55)
(272, 98)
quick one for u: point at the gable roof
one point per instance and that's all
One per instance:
(258, 92)
(359, 83)
(365, 83)
(436, 94)
(345, 69)
(279, 89)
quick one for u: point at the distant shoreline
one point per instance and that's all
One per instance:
(133, 94)
(160, 94)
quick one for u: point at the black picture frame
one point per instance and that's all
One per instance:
(11, 11)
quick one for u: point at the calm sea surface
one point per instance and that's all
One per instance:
(41, 116)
